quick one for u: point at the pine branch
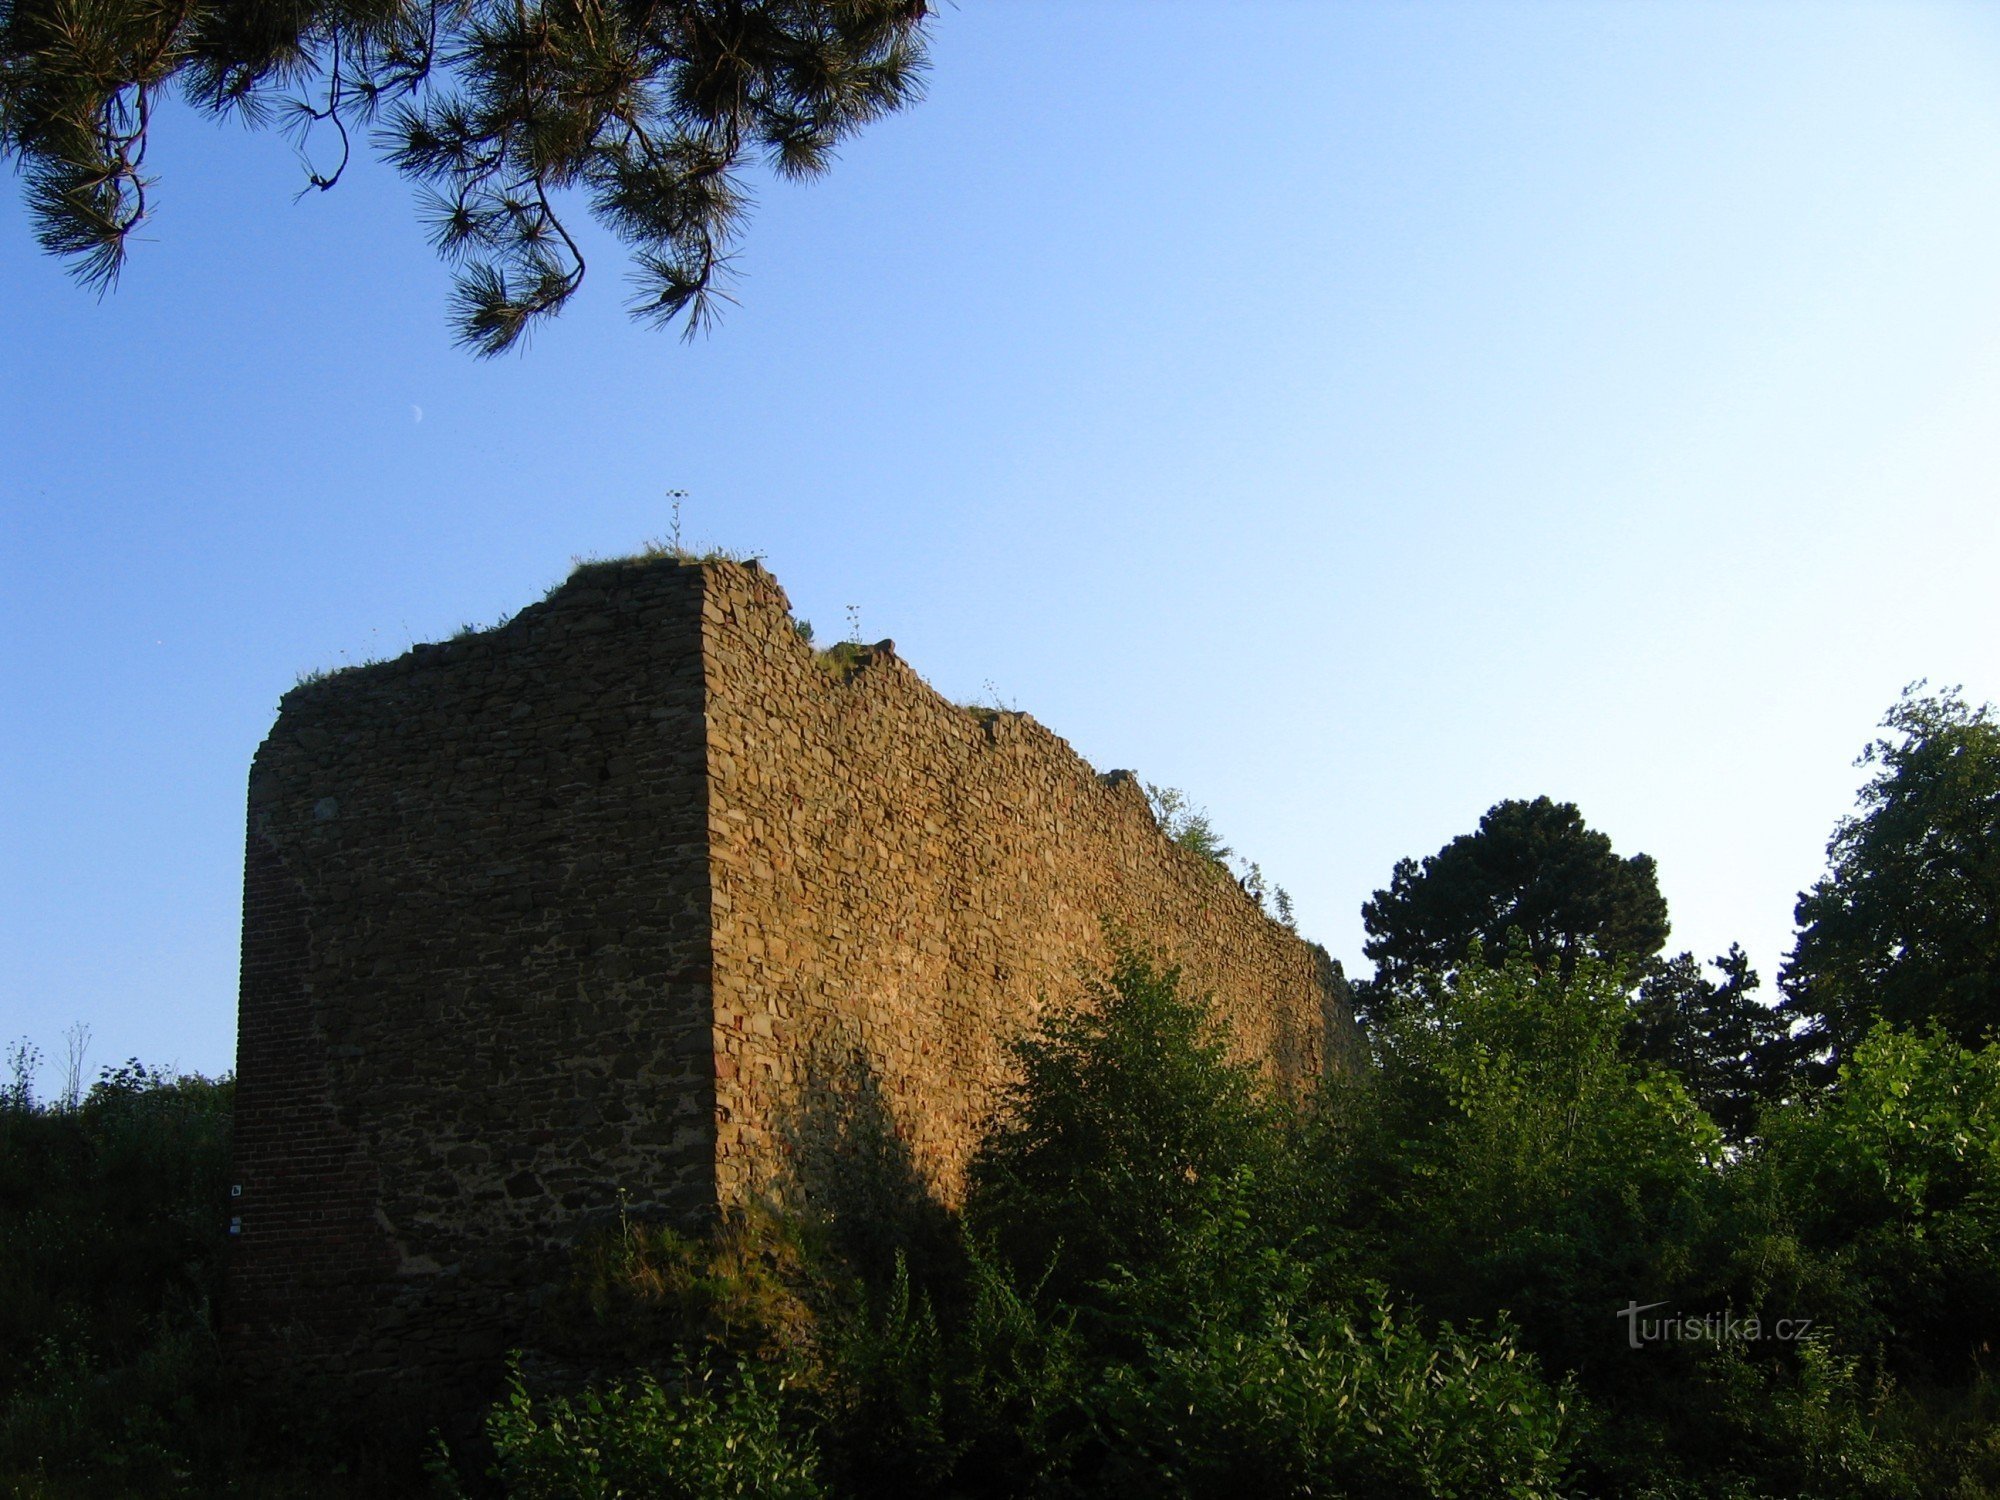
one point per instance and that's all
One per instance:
(490, 106)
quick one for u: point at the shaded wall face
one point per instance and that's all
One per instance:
(900, 885)
(475, 993)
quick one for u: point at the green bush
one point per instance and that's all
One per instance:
(1193, 1328)
(112, 1214)
(1807, 1425)
(1315, 1402)
(985, 1399)
(717, 1431)
(640, 1292)
(112, 1235)
(1506, 1155)
(1127, 1129)
(1169, 1280)
(111, 1240)
(1890, 1185)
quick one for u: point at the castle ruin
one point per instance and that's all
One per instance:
(591, 909)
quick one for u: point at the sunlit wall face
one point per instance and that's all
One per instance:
(1352, 415)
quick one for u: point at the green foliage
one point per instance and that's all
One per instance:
(717, 1431)
(112, 1215)
(1906, 922)
(1507, 1155)
(659, 550)
(1186, 824)
(1890, 1185)
(1361, 1403)
(1910, 1131)
(1163, 1316)
(642, 1291)
(1168, 1280)
(650, 112)
(985, 1399)
(1123, 1133)
(1809, 1426)
(843, 658)
(472, 628)
(1190, 827)
(1733, 1054)
(1174, 1283)
(80, 1415)
(1532, 877)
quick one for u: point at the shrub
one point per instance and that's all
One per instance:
(111, 1212)
(1805, 1426)
(639, 1292)
(1187, 825)
(1126, 1130)
(985, 1400)
(1890, 1183)
(1326, 1403)
(717, 1431)
(1507, 1156)
(111, 1239)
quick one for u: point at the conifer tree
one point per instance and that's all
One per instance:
(503, 111)
(1533, 873)
(1733, 1053)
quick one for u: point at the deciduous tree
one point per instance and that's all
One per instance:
(1905, 924)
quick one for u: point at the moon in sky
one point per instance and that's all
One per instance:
(417, 413)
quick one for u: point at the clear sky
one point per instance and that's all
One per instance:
(1353, 414)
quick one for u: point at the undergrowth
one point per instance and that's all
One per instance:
(1165, 1279)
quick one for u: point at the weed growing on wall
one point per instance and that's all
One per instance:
(1185, 823)
(1190, 827)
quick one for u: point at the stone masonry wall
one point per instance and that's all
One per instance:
(636, 899)
(900, 885)
(475, 996)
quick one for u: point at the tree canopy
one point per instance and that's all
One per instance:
(1905, 924)
(1733, 1052)
(649, 110)
(1532, 873)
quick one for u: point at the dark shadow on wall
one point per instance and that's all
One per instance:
(849, 1169)
(640, 1287)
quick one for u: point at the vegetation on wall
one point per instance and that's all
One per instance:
(1191, 827)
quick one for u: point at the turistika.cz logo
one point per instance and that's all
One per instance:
(1711, 1328)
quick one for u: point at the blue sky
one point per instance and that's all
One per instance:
(1353, 414)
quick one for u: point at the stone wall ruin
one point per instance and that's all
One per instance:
(604, 906)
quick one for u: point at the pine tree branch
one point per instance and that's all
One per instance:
(500, 103)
